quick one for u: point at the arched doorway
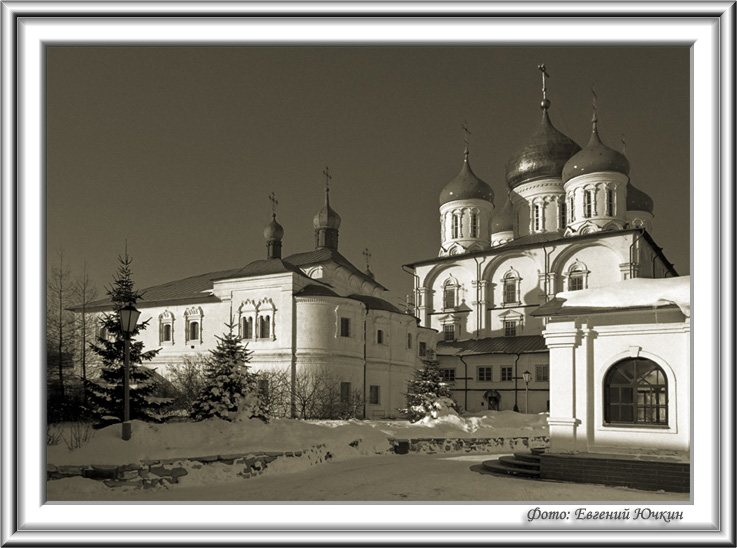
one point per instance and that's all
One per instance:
(492, 398)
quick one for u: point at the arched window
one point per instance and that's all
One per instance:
(571, 210)
(166, 328)
(575, 280)
(379, 336)
(562, 219)
(193, 333)
(511, 288)
(588, 203)
(450, 295)
(609, 202)
(264, 327)
(474, 225)
(537, 214)
(409, 340)
(456, 225)
(636, 392)
(247, 327)
(166, 333)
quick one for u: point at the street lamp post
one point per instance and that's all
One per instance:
(526, 376)
(128, 318)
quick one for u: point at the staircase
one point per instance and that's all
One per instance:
(523, 465)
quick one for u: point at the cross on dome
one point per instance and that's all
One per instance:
(274, 202)
(328, 177)
(545, 102)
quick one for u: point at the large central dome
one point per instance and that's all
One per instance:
(466, 186)
(544, 155)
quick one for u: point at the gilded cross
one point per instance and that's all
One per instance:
(274, 202)
(624, 145)
(466, 133)
(545, 75)
(367, 256)
(328, 177)
(593, 101)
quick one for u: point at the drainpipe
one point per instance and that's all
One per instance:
(465, 377)
(478, 298)
(365, 321)
(293, 368)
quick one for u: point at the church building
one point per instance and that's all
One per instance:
(571, 220)
(308, 313)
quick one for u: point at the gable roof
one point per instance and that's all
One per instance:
(524, 344)
(264, 267)
(329, 255)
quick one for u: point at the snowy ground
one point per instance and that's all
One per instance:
(215, 436)
(392, 478)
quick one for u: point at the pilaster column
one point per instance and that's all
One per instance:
(481, 286)
(563, 338)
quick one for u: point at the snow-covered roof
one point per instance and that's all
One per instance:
(633, 293)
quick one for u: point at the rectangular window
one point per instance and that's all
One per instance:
(374, 395)
(456, 226)
(449, 296)
(510, 292)
(422, 349)
(345, 327)
(345, 392)
(571, 210)
(379, 337)
(510, 328)
(474, 225)
(448, 375)
(575, 283)
(449, 332)
(609, 203)
(507, 373)
(538, 213)
(542, 373)
(409, 340)
(484, 373)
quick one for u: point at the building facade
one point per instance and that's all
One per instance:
(571, 220)
(311, 312)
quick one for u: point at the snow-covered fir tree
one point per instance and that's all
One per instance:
(231, 389)
(105, 395)
(427, 394)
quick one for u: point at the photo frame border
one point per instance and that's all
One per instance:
(23, 524)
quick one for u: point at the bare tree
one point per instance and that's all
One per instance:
(85, 292)
(187, 379)
(58, 319)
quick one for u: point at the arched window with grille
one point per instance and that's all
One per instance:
(450, 294)
(456, 225)
(537, 217)
(562, 219)
(510, 288)
(636, 392)
(588, 203)
(474, 224)
(609, 202)
(577, 277)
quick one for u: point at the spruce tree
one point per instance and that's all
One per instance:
(231, 388)
(105, 396)
(427, 393)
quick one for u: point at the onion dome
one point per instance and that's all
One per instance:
(326, 217)
(595, 158)
(504, 220)
(273, 230)
(544, 155)
(466, 186)
(637, 200)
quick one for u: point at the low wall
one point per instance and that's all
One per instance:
(468, 445)
(152, 473)
(645, 474)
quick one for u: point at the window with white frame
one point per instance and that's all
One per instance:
(474, 224)
(264, 327)
(542, 373)
(449, 332)
(537, 211)
(577, 277)
(193, 325)
(247, 331)
(450, 294)
(456, 225)
(166, 328)
(510, 285)
(588, 203)
(345, 327)
(484, 373)
(510, 328)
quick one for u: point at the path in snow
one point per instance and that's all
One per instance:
(378, 478)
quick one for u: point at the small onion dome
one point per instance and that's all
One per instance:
(273, 230)
(466, 186)
(544, 155)
(637, 200)
(594, 158)
(326, 217)
(504, 220)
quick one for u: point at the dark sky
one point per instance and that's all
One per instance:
(177, 149)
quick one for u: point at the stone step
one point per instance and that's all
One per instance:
(528, 457)
(520, 463)
(498, 468)
(537, 450)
